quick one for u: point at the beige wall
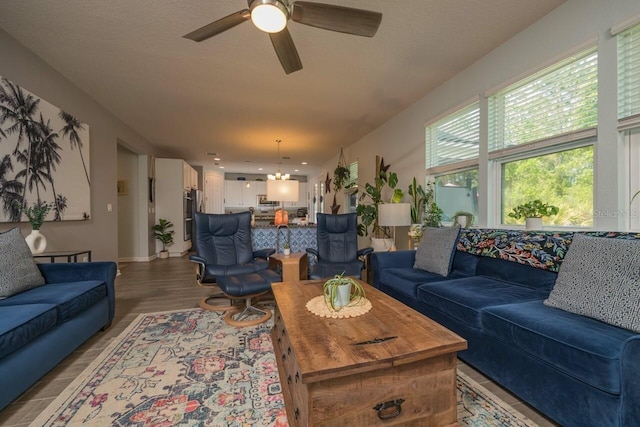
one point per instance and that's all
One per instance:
(100, 233)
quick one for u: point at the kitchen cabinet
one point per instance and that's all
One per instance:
(234, 194)
(302, 197)
(189, 177)
(171, 191)
(237, 195)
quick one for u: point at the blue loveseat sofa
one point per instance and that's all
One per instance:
(577, 370)
(41, 326)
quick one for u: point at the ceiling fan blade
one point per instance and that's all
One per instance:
(219, 26)
(337, 18)
(286, 51)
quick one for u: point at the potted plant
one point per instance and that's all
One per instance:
(433, 215)
(463, 219)
(368, 213)
(340, 291)
(341, 174)
(36, 215)
(419, 198)
(286, 248)
(533, 212)
(163, 232)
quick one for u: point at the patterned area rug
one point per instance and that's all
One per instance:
(189, 368)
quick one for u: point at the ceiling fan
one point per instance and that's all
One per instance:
(271, 16)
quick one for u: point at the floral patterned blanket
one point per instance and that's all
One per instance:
(539, 249)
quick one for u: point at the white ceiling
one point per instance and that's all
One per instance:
(229, 94)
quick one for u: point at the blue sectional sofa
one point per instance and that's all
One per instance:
(577, 370)
(43, 325)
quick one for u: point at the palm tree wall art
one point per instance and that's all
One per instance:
(44, 157)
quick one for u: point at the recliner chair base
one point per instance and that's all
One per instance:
(205, 305)
(246, 317)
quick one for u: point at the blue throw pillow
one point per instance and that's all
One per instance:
(600, 278)
(436, 250)
(18, 270)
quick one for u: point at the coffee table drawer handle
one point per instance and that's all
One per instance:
(390, 409)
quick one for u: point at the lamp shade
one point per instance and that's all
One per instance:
(282, 190)
(394, 214)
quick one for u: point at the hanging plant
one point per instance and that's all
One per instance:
(341, 174)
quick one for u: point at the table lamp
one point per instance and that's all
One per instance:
(393, 215)
(283, 190)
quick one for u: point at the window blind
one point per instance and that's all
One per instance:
(454, 138)
(353, 175)
(629, 73)
(556, 101)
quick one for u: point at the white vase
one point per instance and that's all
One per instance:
(342, 296)
(462, 221)
(533, 224)
(36, 242)
(286, 251)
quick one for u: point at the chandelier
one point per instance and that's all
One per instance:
(278, 175)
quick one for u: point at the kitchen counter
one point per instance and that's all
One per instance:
(302, 237)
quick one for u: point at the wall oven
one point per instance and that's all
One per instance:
(264, 203)
(188, 214)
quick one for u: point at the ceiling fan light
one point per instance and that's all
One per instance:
(269, 16)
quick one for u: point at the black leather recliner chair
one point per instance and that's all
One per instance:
(225, 259)
(337, 251)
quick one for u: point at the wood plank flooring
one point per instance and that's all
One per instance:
(145, 287)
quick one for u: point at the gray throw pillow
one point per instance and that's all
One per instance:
(436, 250)
(600, 278)
(18, 270)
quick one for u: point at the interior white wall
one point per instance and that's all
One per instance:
(576, 23)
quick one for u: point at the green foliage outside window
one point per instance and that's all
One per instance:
(563, 179)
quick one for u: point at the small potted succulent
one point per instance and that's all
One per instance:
(286, 248)
(164, 233)
(533, 212)
(341, 290)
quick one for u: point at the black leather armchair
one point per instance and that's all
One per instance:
(223, 248)
(337, 251)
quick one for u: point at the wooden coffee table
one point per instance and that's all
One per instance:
(390, 366)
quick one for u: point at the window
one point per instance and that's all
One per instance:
(454, 139)
(562, 178)
(351, 188)
(452, 158)
(629, 73)
(457, 192)
(629, 114)
(353, 176)
(560, 100)
(633, 138)
(541, 135)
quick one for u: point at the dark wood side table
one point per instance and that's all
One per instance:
(71, 256)
(295, 266)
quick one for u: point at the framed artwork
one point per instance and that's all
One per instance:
(44, 158)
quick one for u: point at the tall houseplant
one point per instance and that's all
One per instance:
(164, 233)
(419, 198)
(368, 213)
